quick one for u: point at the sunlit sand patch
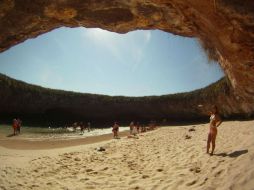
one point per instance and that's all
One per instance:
(161, 159)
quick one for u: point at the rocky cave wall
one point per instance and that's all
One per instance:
(224, 27)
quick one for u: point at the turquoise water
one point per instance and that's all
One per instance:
(37, 133)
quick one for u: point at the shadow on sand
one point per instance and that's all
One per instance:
(10, 135)
(233, 154)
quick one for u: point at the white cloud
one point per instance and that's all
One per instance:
(106, 39)
(147, 36)
(98, 35)
(138, 50)
(119, 44)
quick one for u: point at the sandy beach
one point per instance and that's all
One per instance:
(160, 159)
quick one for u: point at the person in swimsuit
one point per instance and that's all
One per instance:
(138, 127)
(131, 127)
(135, 130)
(82, 127)
(14, 126)
(19, 122)
(115, 130)
(88, 126)
(215, 121)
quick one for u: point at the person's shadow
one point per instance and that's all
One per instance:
(233, 154)
(10, 135)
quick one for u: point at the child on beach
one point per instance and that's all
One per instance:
(115, 130)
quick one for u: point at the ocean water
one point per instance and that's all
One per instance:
(42, 133)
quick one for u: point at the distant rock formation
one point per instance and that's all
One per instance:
(224, 27)
(21, 99)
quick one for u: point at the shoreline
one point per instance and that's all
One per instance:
(25, 144)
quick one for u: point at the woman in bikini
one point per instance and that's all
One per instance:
(215, 121)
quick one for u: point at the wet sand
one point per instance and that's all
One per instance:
(40, 144)
(160, 159)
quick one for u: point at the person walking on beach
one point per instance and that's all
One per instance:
(115, 130)
(135, 130)
(131, 127)
(14, 126)
(138, 127)
(143, 129)
(19, 122)
(215, 121)
(88, 126)
(82, 127)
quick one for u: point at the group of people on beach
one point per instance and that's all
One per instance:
(135, 128)
(16, 125)
(82, 125)
(215, 121)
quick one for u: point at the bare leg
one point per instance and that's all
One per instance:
(208, 143)
(213, 143)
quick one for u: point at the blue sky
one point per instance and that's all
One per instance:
(138, 63)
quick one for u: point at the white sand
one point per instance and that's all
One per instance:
(161, 159)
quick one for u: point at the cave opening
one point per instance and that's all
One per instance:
(138, 63)
(224, 28)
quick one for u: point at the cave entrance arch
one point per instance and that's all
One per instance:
(225, 27)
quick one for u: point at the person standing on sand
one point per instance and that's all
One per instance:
(88, 126)
(215, 121)
(131, 127)
(138, 127)
(135, 130)
(115, 130)
(14, 126)
(82, 127)
(19, 122)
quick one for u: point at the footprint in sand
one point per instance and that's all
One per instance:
(195, 169)
(203, 181)
(145, 176)
(84, 179)
(77, 159)
(218, 173)
(104, 169)
(132, 182)
(191, 183)
(89, 170)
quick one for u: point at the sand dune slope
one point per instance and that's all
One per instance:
(161, 159)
